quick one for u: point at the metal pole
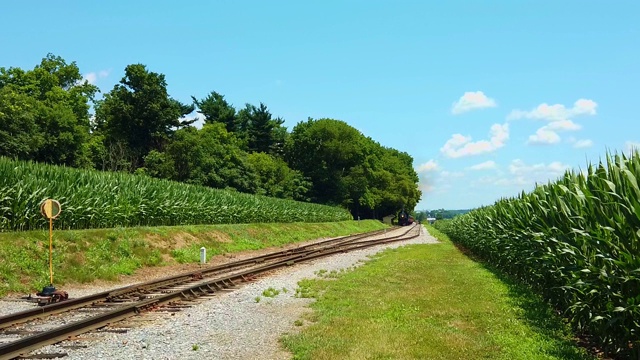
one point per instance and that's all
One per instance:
(51, 251)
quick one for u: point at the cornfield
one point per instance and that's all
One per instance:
(93, 199)
(576, 242)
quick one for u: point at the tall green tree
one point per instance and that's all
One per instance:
(262, 132)
(139, 113)
(277, 179)
(210, 156)
(54, 98)
(325, 151)
(216, 109)
(395, 182)
(346, 168)
(20, 136)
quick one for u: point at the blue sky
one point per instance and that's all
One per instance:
(487, 96)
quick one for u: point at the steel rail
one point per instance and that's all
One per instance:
(37, 341)
(71, 304)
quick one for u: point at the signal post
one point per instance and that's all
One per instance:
(51, 209)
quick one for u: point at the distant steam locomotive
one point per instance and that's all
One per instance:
(404, 218)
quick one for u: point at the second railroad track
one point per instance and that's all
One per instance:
(104, 308)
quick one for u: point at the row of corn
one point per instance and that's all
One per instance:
(576, 241)
(93, 199)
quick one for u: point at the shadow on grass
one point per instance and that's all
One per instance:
(540, 316)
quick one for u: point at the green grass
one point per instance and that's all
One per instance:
(82, 256)
(575, 241)
(270, 292)
(428, 302)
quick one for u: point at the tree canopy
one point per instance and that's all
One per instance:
(216, 109)
(138, 127)
(44, 113)
(346, 168)
(139, 113)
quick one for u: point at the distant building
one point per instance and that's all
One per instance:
(431, 220)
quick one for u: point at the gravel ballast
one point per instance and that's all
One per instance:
(231, 325)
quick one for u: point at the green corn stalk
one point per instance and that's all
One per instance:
(576, 242)
(93, 199)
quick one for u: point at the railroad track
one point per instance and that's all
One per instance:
(101, 309)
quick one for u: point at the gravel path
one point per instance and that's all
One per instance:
(230, 325)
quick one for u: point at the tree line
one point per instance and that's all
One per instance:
(439, 214)
(137, 127)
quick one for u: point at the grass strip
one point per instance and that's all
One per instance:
(427, 302)
(82, 256)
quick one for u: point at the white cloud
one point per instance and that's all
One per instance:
(460, 145)
(487, 165)
(199, 117)
(559, 118)
(430, 165)
(556, 112)
(523, 175)
(544, 136)
(631, 145)
(585, 143)
(472, 100)
(548, 134)
(553, 169)
(563, 125)
(92, 77)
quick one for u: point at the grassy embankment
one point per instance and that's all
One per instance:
(82, 256)
(427, 302)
